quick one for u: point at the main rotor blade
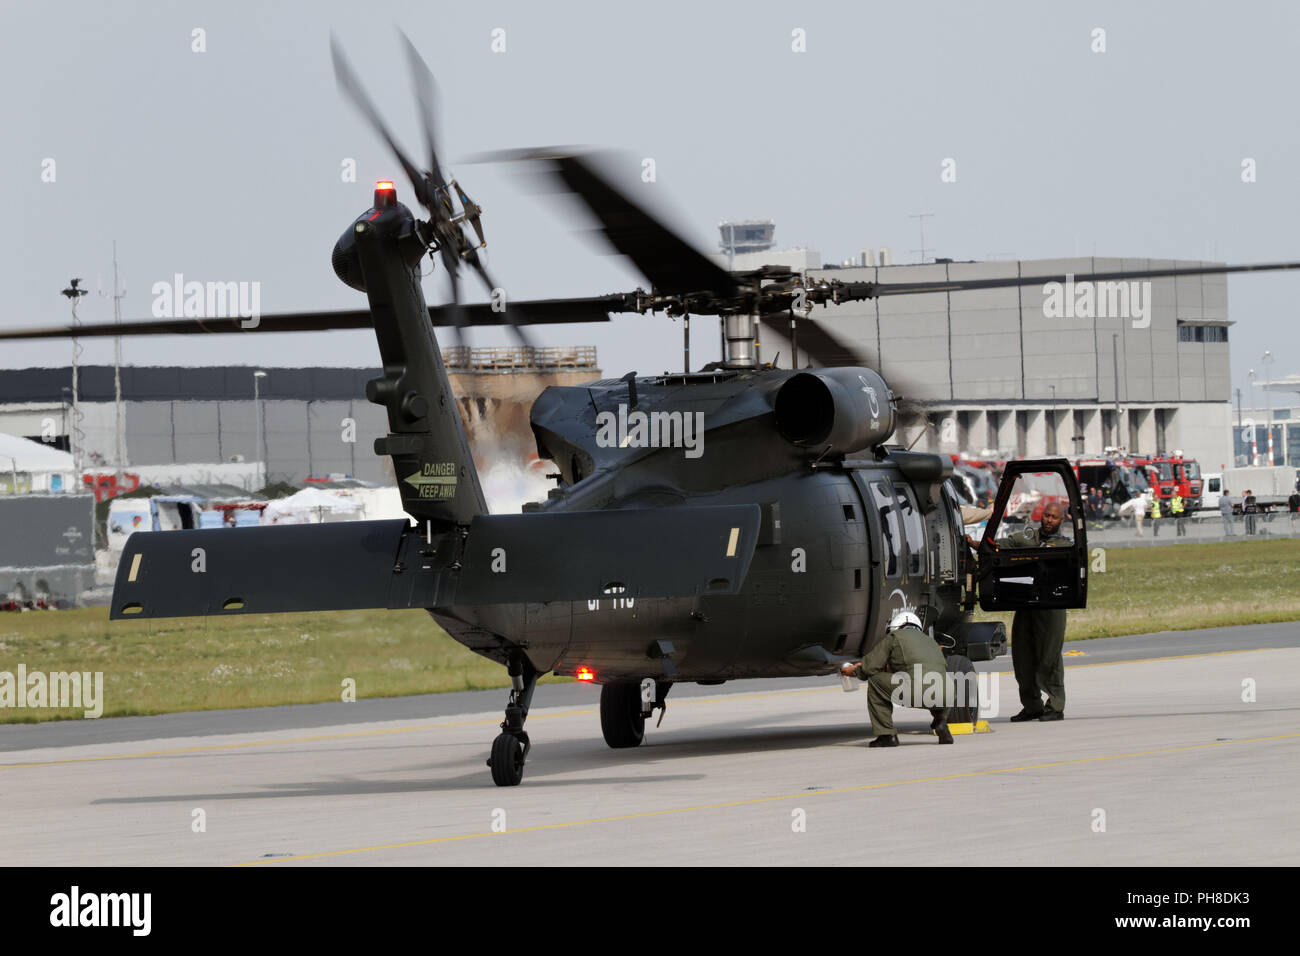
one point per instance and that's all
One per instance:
(284, 322)
(1011, 282)
(534, 312)
(819, 344)
(353, 90)
(422, 80)
(670, 263)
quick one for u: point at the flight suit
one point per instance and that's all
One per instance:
(1038, 638)
(897, 657)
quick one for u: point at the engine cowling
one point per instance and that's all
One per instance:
(848, 409)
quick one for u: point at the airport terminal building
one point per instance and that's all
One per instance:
(1029, 371)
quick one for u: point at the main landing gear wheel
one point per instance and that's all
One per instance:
(970, 713)
(507, 761)
(621, 720)
(510, 749)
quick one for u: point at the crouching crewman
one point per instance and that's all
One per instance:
(890, 669)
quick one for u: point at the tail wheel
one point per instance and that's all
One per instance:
(969, 713)
(621, 720)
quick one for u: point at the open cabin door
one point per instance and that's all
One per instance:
(1025, 562)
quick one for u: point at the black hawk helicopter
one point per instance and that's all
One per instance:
(781, 550)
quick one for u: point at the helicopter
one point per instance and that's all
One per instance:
(739, 521)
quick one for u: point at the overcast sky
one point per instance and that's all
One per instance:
(226, 164)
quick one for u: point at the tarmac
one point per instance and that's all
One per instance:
(1179, 748)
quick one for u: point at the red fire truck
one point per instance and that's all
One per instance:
(1118, 478)
(1168, 474)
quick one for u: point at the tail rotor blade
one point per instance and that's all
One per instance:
(425, 89)
(513, 314)
(352, 89)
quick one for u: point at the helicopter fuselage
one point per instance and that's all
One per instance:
(843, 542)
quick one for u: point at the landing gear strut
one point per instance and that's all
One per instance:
(510, 749)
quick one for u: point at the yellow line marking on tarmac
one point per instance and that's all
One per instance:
(721, 698)
(1180, 657)
(802, 795)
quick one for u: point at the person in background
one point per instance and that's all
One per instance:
(1097, 501)
(1293, 507)
(1225, 512)
(1135, 508)
(1249, 509)
(1155, 515)
(1180, 516)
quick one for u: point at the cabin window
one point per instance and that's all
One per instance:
(913, 528)
(882, 499)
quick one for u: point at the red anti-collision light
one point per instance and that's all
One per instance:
(585, 673)
(385, 194)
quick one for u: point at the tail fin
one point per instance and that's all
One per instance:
(431, 458)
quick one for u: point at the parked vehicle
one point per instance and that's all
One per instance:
(1272, 486)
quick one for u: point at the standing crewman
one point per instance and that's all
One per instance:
(1038, 636)
(1155, 515)
(890, 670)
(1248, 509)
(1176, 509)
(1225, 512)
(1293, 506)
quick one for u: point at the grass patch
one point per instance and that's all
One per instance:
(252, 660)
(1179, 587)
(180, 664)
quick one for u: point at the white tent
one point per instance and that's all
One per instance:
(29, 466)
(307, 506)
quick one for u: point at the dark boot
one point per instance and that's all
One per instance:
(885, 740)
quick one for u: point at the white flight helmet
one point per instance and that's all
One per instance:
(904, 618)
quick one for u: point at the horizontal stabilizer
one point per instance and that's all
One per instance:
(276, 568)
(587, 555)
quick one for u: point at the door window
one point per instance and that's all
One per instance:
(1032, 554)
(1037, 513)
